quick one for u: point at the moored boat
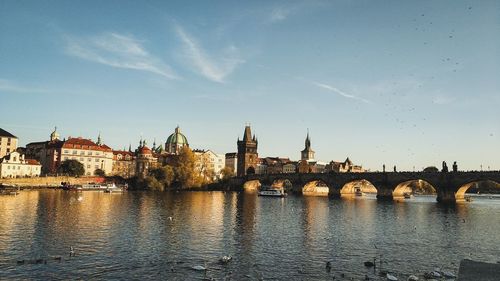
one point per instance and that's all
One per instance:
(358, 192)
(271, 192)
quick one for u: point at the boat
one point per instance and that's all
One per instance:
(468, 198)
(271, 192)
(407, 195)
(358, 192)
(113, 189)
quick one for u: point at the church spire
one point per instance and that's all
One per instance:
(99, 141)
(308, 140)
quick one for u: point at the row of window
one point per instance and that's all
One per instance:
(75, 152)
(19, 167)
(81, 159)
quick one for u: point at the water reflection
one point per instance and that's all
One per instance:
(162, 235)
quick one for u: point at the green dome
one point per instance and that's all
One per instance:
(177, 138)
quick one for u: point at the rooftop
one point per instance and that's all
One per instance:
(4, 133)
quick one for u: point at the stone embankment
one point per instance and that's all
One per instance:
(42, 182)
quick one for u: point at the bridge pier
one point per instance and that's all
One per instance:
(446, 197)
(334, 193)
(384, 194)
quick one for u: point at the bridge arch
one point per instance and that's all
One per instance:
(282, 183)
(251, 185)
(316, 188)
(412, 187)
(357, 188)
(460, 194)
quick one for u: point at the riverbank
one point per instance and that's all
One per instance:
(48, 182)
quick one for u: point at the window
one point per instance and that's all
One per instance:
(65, 158)
(74, 152)
(8, 149)
(82, 152)
(97, 160)
(88, 166)
(66, 151)
(81, 159)
(97, 166)
(89, 153)
(89, 159)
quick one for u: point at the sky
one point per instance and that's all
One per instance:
(405, 83)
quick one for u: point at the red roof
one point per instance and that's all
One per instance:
(85, 144)
(122, 152)
(145, 150)
(32, 162)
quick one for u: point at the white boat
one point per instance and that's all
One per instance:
(358, 192)
(272, 192)
(96, 186)
(113, 189)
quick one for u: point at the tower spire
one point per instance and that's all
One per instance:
(99, 142)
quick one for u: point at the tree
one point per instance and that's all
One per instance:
(431, 169)
(99, 172)
(165, 175)
(71, 167)
(185, 171)
(227, 172)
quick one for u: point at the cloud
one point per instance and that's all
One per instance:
(203, 63)
(280, 13)
(118, 51)
(9, 86)
(338, 92)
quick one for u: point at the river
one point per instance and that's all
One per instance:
(148, 235)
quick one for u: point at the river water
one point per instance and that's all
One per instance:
(147, 235)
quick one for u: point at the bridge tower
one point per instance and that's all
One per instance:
(307, 154)
(247, 153)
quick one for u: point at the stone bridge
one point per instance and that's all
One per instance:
(450, 186)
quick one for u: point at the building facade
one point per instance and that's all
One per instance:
(53, 152)
(145, 160)
(123, 163)
(8, 143)
(15, 165)
(231, 162)
(247, 153)
(209, 164)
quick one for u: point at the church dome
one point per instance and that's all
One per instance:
(177, 138)
(145, 150)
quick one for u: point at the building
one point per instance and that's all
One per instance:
(275, 164)
(175, 142)
(145, 160)
(123, 163)
(209, 164)
(290, 168)
(261, 167)
(231, 161)
(344, 167)
(53, 152)
(8, 143)
(15, 165)
(307, 154)
(247, 153)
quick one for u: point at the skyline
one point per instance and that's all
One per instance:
(407, 84)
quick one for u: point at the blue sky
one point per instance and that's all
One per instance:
(406, 83)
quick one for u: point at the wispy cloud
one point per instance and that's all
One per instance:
(280, 13)
(10, 86)
(118, 51)
(205, 64)
(338, 92)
